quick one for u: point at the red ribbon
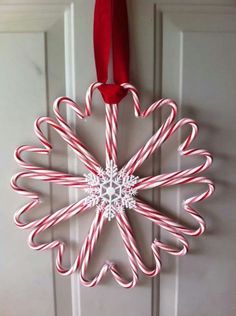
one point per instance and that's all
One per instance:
(111, 34)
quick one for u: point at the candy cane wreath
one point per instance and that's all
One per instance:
(112, 190)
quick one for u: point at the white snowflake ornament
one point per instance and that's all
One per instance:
(112, 190)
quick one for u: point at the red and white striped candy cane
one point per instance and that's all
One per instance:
(150, 213)
(155, 141)
(109, 266)
(111, 132)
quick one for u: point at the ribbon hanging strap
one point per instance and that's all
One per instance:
(111, 34)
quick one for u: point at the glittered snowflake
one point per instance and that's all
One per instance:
(114, 191)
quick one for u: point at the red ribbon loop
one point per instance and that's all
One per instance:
(111, 33)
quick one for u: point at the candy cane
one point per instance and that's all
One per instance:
(153, 214)
(111, 132)
(111, 154)
(109, 266)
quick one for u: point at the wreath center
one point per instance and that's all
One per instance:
(111, 190)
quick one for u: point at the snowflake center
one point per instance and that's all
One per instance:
(112, 190)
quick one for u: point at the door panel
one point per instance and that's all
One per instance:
(199, 72)
(32, 61)
(22, 272)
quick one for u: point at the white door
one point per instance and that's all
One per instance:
(180, 49)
